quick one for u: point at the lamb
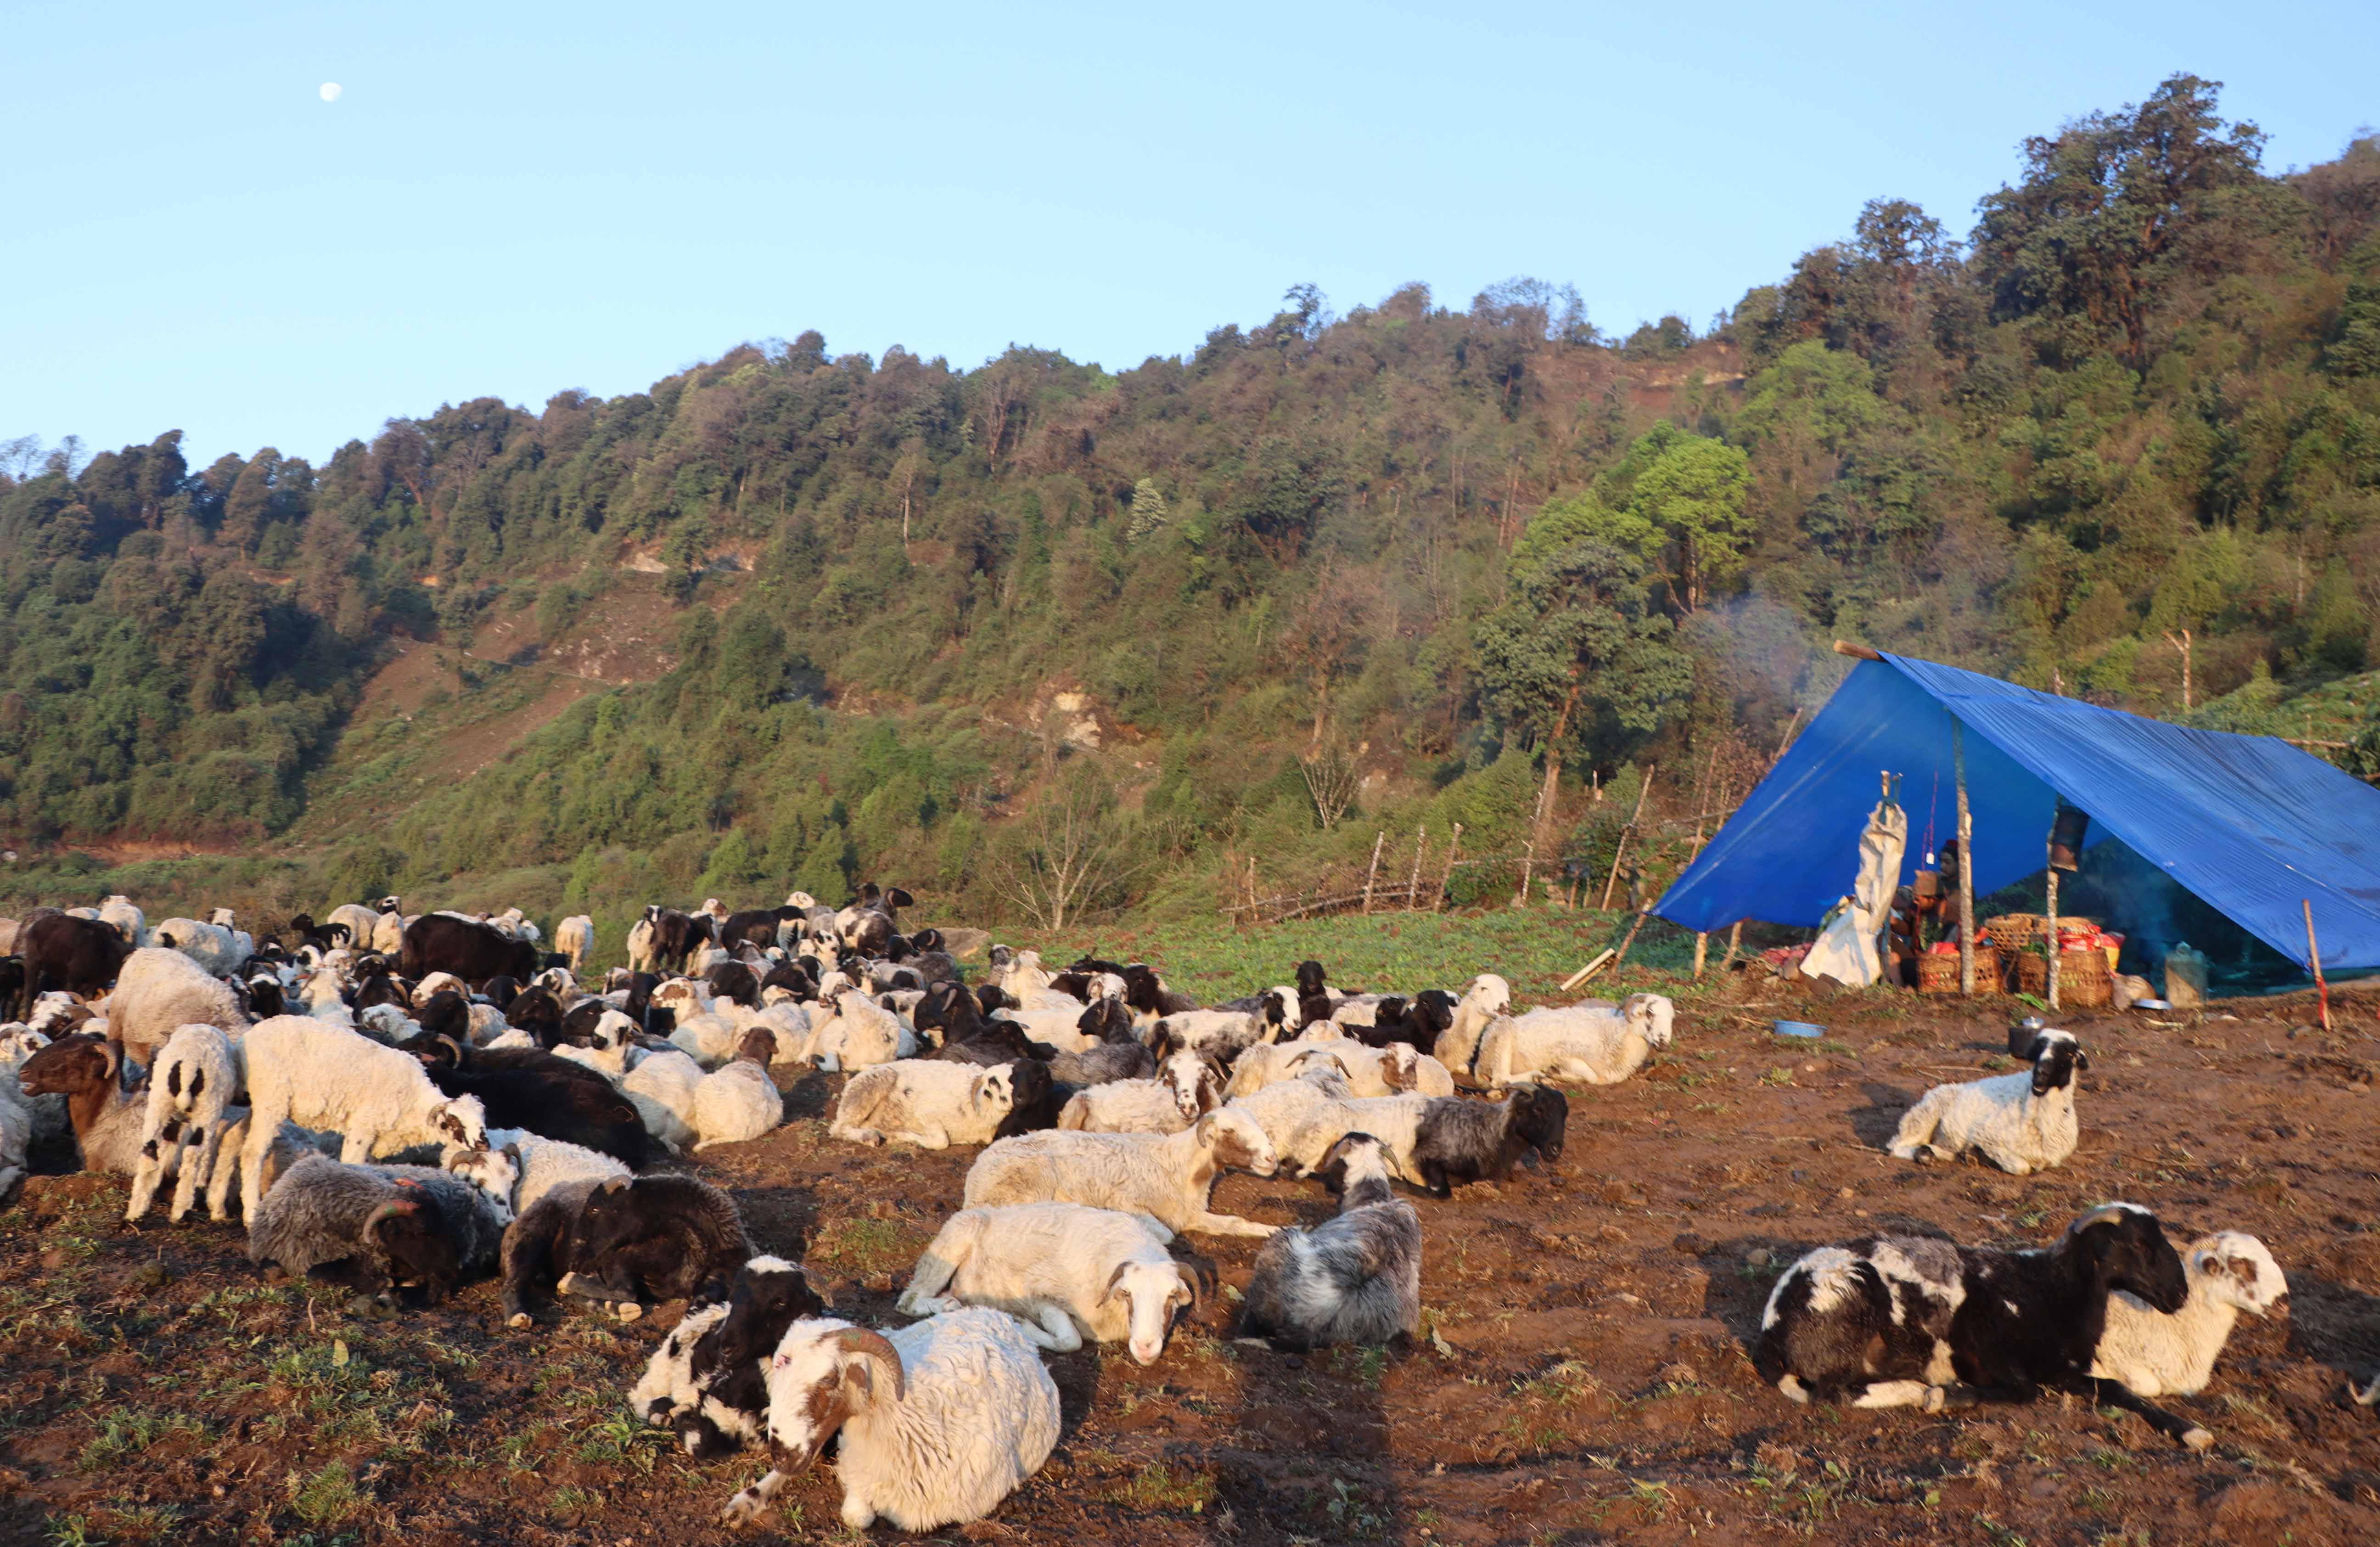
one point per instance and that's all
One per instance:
(377, 1228)
(739, 1102)
(1485, 998)
(518, 1167)
(377, 1098)
(1186, 1088)
(190, 1089)
(2154, 1355)
(1222, 1035)
(709, 1378)
(928, 1102)
(1065, 1271)
(2021, 1123)
(644, 947)
(158, 992)
(939, 1422)
(859, 1034)
(1590, 1043)
(1354, 1278)
(622, 1241)
(1893, 1320)
(1167, 1178)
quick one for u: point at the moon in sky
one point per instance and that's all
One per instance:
(330, 90)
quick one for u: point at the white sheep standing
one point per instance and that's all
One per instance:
(1166, 1177)
(360, 921)
(2021, 1123)
(378, 1100)
(575, 938)
(1601, 1044)
(388, 933)
(158, 992)
(939, 1422)
(1485, 997)
(2155, 1354)
(213, 946)
(120, 914)
(925, 1102)
(1067, 1271)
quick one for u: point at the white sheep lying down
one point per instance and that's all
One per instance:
(925, 1102)
(1067, 1270)
(517, 1167)
(1184, 1090)
(859, 1034)
(1485, 998)
(1168, 1179)
(2157, 1355)
(941, 1421)
(1601, 1044)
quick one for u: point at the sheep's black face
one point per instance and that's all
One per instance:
(447, 1015)
(759, 1309)
(1140, 988)
(1542, 1116)
(501, 991)
(1309, 979)
(1432, 1013)
(2056, 1056)
(417, 1252)
(2127, 1248)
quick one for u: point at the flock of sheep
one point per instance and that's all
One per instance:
(1107, 1103)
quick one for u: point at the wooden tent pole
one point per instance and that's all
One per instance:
(1966, 863)
(2051, 928)
(1620, 850)
(2313, 959)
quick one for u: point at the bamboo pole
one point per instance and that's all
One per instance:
(2313, 959)
(2051, 927)
(1373, 873)
(1528, 863)
(1438, 903)
(1412, 887)
(1639, 923)
(1584, 974)
(1621, 849)
(1967, 864)
(1701, 947)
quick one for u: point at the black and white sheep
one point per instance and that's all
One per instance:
(2021, 1122)
(1354, 1278)
(1900, 1320)
(708, 1379)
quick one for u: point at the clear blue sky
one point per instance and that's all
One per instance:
(517, 199)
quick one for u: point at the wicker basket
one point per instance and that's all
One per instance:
(2084, 980)
(2011, 931)
(1939, 974)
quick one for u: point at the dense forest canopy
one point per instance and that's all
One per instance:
(2123, 441)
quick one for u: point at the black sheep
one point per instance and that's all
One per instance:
(624, 1240)
(525, 1087)
(1461, 1141)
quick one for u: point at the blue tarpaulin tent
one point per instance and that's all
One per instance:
(2251, 825)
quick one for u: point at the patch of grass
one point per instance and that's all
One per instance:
(328, 1497)
(1778, 1077)
(858, 1245)
(1159, 1486)
(126, 1435)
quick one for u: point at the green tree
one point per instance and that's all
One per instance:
(1572, 649)
(1693, 494)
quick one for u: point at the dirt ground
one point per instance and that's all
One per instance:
(1585, 1379)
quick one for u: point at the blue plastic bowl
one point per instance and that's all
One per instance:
(1799, 1029)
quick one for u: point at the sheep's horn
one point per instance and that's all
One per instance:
(389, 1210)
(859, 1340)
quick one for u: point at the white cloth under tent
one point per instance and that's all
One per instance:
(1849, 948)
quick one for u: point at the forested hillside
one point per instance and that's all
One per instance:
(2122, 439)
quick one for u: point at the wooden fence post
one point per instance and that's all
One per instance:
(1528, 863)
(1621, 849)
(1438, 903)
(1375, 870)
(1412, 887)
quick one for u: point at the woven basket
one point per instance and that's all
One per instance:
(2011, 931)
(1939, 974)
(2084, 980)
